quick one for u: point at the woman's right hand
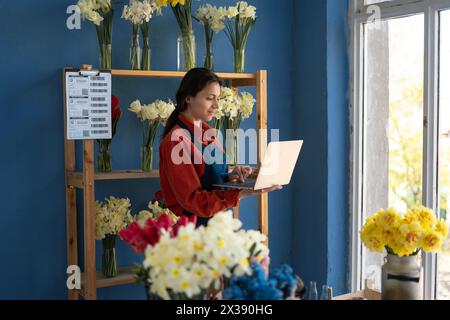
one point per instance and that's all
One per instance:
(248, 193)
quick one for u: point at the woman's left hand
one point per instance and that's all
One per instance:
(239, 174)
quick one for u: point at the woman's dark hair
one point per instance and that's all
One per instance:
(193, 82)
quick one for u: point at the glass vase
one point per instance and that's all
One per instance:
(209, 59)
(104, 159)
(231, 146)
(239, 60)
(105, 56)
(146, 54)
(401, 278)
(209, 62)
(135, 53)
(186, 51)
(147, 158)
(109, 261)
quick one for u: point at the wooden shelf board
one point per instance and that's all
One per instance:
(125, 275)
(127, 174)
(75, 179)
(176, 74)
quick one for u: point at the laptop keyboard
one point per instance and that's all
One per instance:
(250, 183)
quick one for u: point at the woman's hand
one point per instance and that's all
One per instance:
(239, 174)
(248, 193)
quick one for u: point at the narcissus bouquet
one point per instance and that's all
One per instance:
(151, 116)
(240, 20)
(233, 109)
(185, 262)
(139, 14)
(213, 21)
(404, 235)
(182, 11)
(110, 218)
(100, 12)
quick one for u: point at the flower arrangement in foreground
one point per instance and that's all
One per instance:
(151, 116)
(189, 263)
(404, 235)
(110, 218)
(219, 260)
(185, 262)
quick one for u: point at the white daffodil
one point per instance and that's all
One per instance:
(136, 107)
(232, 12)
(149, 112)
(165, 109)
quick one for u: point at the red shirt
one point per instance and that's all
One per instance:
(180, 183)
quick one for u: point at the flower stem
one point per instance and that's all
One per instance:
(109, 261)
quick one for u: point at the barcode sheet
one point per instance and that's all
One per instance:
(88, 103)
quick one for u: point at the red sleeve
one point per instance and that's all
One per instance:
(186, 187)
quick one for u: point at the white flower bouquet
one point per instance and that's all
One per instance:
(213, 21)
(240, 20)
(139, 14)
(100, 12)
(151, 116)
(193, 263)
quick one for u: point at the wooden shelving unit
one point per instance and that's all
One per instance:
(91, 280)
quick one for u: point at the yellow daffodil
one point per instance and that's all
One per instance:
(417, 229)
(431, 241)
(442, 228)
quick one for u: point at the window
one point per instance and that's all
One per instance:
(443, 261)
(401, 122)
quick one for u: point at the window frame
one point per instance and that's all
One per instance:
(358, 15)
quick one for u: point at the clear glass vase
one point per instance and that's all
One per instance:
(209, 59)
(104, 158)
(105, 56)
(135, 53)
(231, 146)
(146, 54)
(239, 60)
(186, 51)
(209, 62)
(147, 158)
(109, 261)
(401, 278)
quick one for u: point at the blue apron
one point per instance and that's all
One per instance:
(214, 173)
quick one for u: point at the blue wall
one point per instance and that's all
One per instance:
(338, 145)
(320, 239)
(33, 51)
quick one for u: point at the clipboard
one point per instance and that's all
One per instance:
(87, 103)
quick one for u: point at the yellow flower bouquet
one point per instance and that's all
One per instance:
(110, 218)
(404, 235)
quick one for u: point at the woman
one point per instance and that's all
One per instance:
(186, 175)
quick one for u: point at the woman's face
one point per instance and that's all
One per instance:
(205, 103)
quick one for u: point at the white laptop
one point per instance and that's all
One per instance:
(276, 167)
